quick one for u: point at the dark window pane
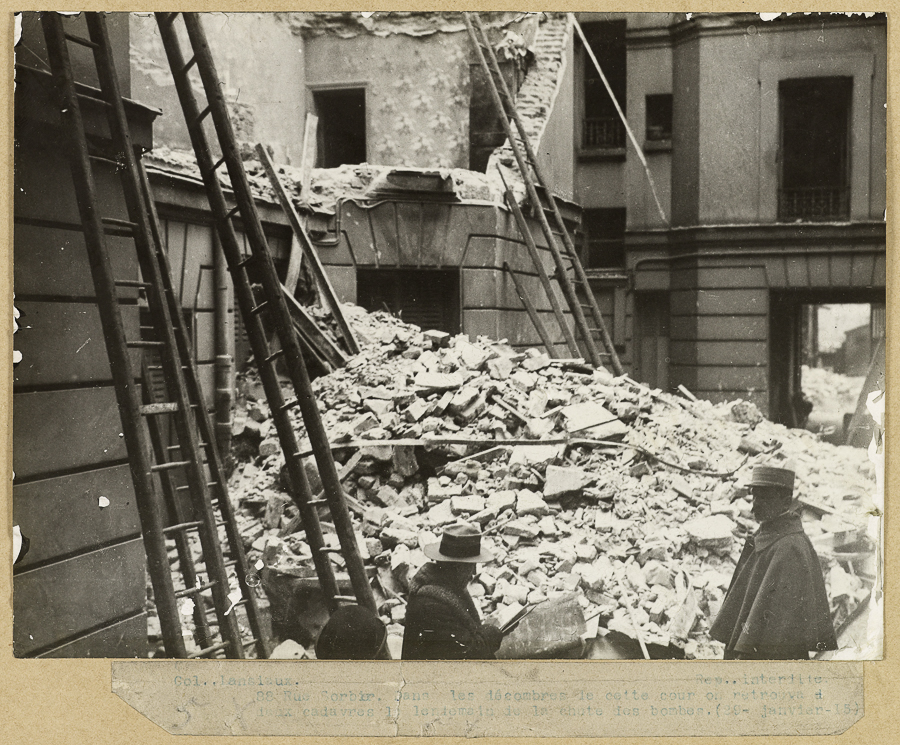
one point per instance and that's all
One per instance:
(659, 117)
(342, 127)
(815, 119)
(602, 127)
(604, 238)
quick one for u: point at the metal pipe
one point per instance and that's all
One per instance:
(224, 340)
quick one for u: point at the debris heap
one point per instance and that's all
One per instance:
(633, 499)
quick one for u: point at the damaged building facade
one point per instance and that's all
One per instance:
(769, 201)
(404, 202)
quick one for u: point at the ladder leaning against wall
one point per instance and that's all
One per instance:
(208, 589)
(532, 175)
(271, 301)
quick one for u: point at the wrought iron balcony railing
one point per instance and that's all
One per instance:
(603, 133)
(814, 204)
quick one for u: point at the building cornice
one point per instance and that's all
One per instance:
(740, 237)
(736, 24)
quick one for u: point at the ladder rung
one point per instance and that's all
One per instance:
(183, 487)
(202, 115)
(346, 599)
(167, 407)
(259, 308)
(230, 563)
(82, 41)
(104, 159)
(199, 444)
(250, 643)
(115, 222)
(242, 263)
(317, 502)
(290, 404)
(169, 466)
(154, 367)
(208, 650)
(231, 213)
(219, 162)
(188, 65)
(145, 344)
(275, 355)
(133, 283)
(195, 590)
(329, 550)
(181, 526)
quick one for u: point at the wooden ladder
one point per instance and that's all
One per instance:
(532, 175)
(193, 453)
(272, 302)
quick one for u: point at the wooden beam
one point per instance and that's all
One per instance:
(325, 287)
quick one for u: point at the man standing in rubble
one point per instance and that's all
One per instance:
(776, 607)
(442, 622)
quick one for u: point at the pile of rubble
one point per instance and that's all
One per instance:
(633, 499)
(327, 185)
(827, 389)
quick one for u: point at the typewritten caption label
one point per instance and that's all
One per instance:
(541, 699)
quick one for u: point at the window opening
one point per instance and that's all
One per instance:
(428, 298)
(604, 238)
(342, 127)
(659, 117)
(601, 125)
(815, 123)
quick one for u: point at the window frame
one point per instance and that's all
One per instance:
(860, 67)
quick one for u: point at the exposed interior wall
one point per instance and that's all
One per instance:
(417, 93)
(262, 65)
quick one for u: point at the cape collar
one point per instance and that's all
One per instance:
(772, 530)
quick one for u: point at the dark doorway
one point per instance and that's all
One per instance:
(822, 345)
(342, 127)
(425, 297)
(651, 339)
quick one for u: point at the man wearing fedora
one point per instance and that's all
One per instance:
(776, 607)
(442, 622)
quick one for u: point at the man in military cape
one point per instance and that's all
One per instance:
(776, 607)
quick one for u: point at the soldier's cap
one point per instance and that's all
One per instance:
(460, 543)
(773, 476)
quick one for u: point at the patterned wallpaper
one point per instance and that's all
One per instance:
(418, 94)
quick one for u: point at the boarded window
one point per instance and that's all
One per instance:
(425, 297)
(815, 122)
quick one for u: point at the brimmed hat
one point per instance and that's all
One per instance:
(773, 476)
(352, 633)
(459, 543)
